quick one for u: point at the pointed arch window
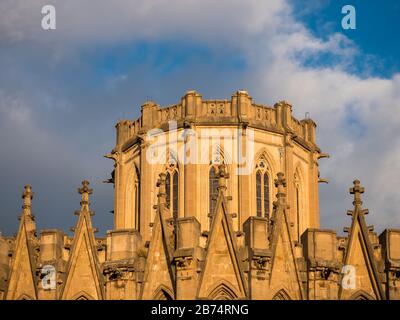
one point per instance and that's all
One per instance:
(298, 212)
(266, 195)
(175, 195)
(172, 188)
(259, 194)
(262, 189)
(137, 224)
(136, 195)
(297, 187)
(212, 190)
(168, 188)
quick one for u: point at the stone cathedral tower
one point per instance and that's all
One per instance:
(214, 199)
(279, 143)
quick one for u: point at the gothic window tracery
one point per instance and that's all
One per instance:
(137, 199)
(172, 187)
(262, 188)
(137, 205)
(217, 158)
(297, 188)
(213, 190)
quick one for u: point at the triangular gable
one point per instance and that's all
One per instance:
(83, 273)
(158, 271)
(222, 274)
(284, 268)
(22, 280)
(359, 255)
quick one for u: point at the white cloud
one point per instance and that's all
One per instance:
(369, 152)
(85, 21)
(274, 45)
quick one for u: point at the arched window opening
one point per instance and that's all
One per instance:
(137, 216)
(266, 195)
(297, 189)
(168, 189)
(172, 186)
(175, 195)
(298, 212)
(258, 194)
(136, 198)
(262, 189)
(213, 190)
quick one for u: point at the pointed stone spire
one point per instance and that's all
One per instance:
(162, 193)
(85, 191)
(360, 245)
(280, 183)
(223, 175)
(82, 272)
(22, 279)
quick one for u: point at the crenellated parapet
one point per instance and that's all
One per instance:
(240, 110)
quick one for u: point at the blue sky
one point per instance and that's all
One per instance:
(377, 31)
(62, 91)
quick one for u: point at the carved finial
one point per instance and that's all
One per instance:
(357, 190)
(162, 193)
(27, 196)
(223, 175)
(85, 191)
(27, 217)
(280, 183)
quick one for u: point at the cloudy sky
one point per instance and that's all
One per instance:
(62, 91)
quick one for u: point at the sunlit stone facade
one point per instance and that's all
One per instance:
(214, 199)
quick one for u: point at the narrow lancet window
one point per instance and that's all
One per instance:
(262, 184)
(213, 190)
(266, 195)
(168, 189)
(258, 194)
(175, 195)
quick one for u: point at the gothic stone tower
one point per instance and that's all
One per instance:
(215, 131)
(214, 199)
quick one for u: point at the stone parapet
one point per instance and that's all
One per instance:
(240, 111)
